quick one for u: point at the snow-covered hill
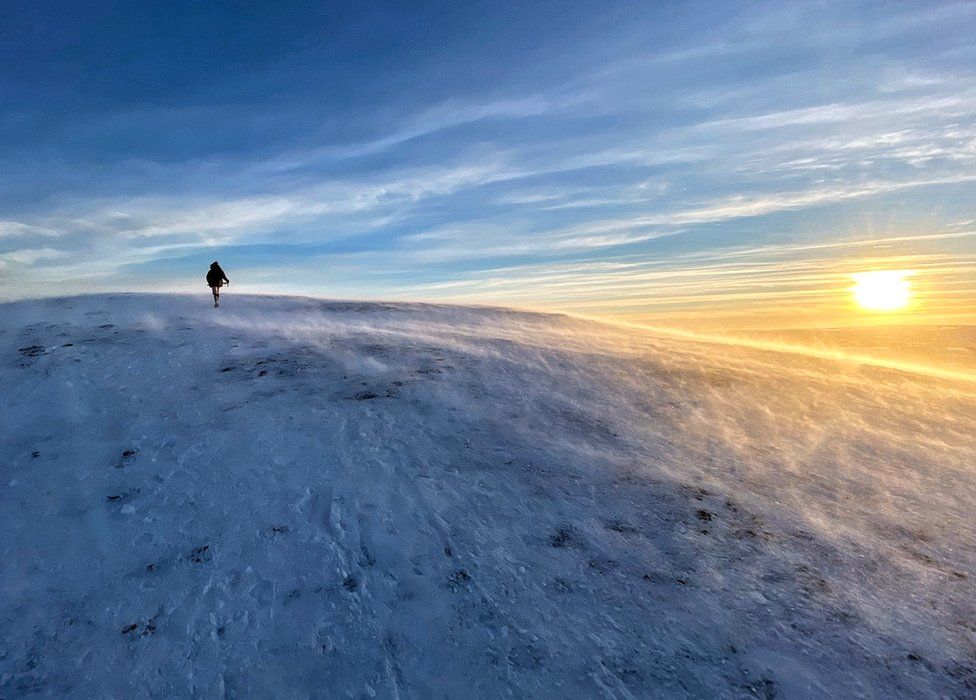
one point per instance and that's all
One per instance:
(291, 497)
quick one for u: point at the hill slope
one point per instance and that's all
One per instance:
(296, 497)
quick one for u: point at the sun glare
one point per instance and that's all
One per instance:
(882, 290)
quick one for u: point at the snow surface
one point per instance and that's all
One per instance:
(292, 497)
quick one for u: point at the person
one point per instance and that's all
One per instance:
(216, 279)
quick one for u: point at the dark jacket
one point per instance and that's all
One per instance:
(216, 276)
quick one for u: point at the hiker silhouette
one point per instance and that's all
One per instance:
(216, 278)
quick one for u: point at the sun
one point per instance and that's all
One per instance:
(882, 290)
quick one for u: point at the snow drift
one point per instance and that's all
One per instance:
(294, 497)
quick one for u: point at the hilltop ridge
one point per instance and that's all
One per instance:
(292, 496)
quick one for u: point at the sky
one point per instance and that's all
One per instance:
(704, 165)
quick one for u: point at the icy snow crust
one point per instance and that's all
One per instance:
(290, 497)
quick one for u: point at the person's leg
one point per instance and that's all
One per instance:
(216, 295)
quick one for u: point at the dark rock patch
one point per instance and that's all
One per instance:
(148, 627)
(32, 351)
(655, 577)
(750, 533)
(811, 581)
(560, 585)
(763, 688)
(459, 578)
(200, 555)
(125, 457)
(603, 565)
(621, 526)
(626, 671)
(564, 537)
(526, 656)
(367, 558)
(427, 370)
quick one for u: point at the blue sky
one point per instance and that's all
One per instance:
(717, 164)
